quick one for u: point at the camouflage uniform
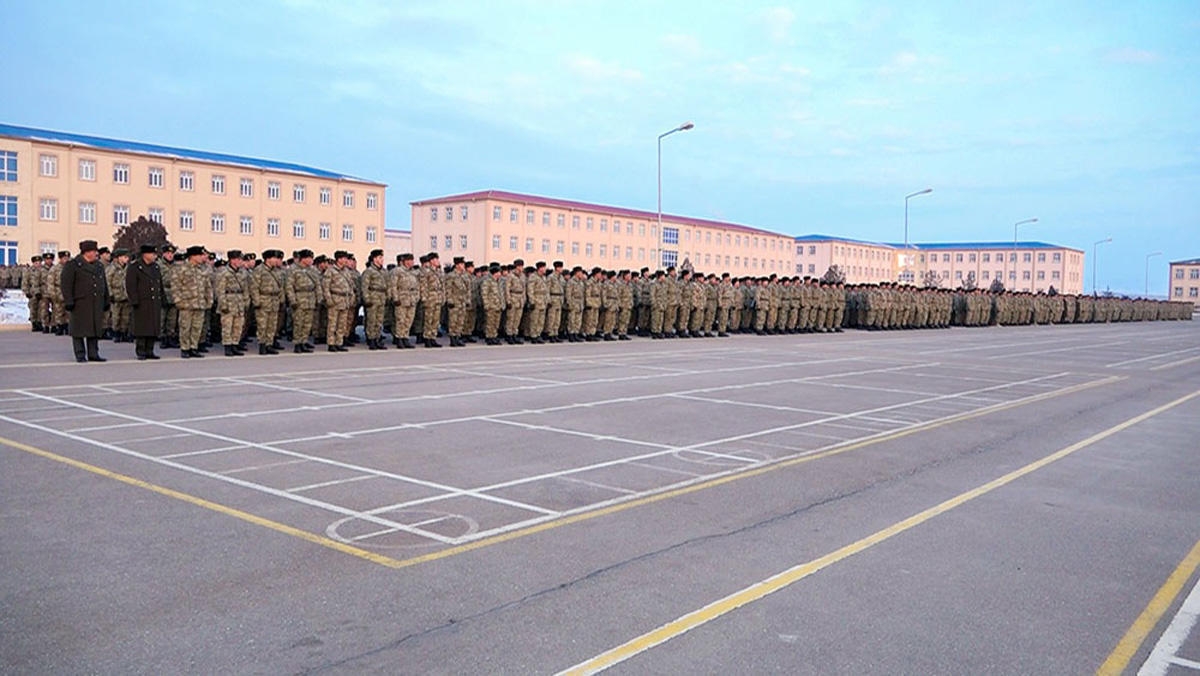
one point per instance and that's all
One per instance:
(303, 287)
(194, 296)
(231, 305)
(374, 301)
(405, 292)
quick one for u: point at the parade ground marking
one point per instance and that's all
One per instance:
(792, 575)
(537, 528)
(1129, 644)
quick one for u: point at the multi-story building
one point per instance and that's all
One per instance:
(1027, 266)
(396, 242)
(1184, 281)
(59, 188)
(493, 225)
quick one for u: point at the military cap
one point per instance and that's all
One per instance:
(116, 254)
(458, 259)
(645, 270)
(195, 251)
(48, 256)
(320, 259)
(404, 257)
(212, 256)
(375, 252)
(103, 250)
(596, 269)
(519, 263)
(269, 253)
(147, 248)
(432, 255)
(576, 269)
(529, 269)
(493, 268)
(448, 268)
(338, 255)
(670, 268)
(67, 254)
(167, 247)
(539, 265)
(219, 264)
(36, 259)
(304, 253)
(250, 255)
(724, 275)
(557, 264)
(233, 254)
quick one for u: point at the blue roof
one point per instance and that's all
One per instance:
(1190, 261)
(937, 246)
(829, 238)
(31, 134)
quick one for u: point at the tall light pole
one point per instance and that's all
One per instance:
(1014, 251)
(1096, 259)
(926, 191)
(683, 127)
(1146, 293)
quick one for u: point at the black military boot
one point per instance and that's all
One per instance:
(230, 351)
(264, 349)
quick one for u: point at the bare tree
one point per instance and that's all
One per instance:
(931, 280)
(142, 231)
(969, 283)
(997, 286)
(834, 275)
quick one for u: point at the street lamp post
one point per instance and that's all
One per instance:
(1014, 251)
(1146, 292)
(683, 127)
(1096, 260)
(926, 191)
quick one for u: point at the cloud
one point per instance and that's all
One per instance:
(1131, 55)
(778, 22)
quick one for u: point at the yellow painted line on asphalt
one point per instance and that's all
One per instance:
(206, 504)
(575, 518)
(1129, 644)
(788, 577)
(1181, 362)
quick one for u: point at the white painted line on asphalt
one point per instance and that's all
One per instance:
(484, 374)
(1173, 364)
(594, 484)
(202, 452)
(98, 428)
(664, 469)
(1153, 356)
(335, 482)
(268, 465)
(158, 438)
(1164, 653)
(67, 417)
(297, 390)
(1090, 348)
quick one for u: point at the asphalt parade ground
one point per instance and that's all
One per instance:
(1012, 500)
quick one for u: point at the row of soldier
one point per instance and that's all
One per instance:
(316, 299)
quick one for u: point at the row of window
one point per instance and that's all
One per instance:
(156, 178)
(856, 252)
(1193, 273)
(1192, 292)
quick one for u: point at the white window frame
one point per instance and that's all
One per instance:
(187, 221)
(48, 209)
(120, 173)
(48, 165)
(156, 214)
(87, 170)
(372, 201)
(325, 196)
(372, 234)
(217, 223)
(246, 225)
(156, 177)
(273, 190)
(324, 231)
(297, 229)
(496, 242)
(462, 242)
(187, 181)
(272, 227)
(218, 184)
(246, 187)
(298, 193)
(120, 214)
(87, 213)
(347, 232)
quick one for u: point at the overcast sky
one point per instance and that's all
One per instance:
(810, 117)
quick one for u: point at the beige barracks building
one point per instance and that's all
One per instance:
(1025, 266)
(1185, 280)
(492, 225)
(59, 188)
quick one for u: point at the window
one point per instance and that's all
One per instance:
(1025, 275)
(8, 165)
(433, 212)
(1179, 273)
(513, 214)
(120, 214)
(449, 242)
(463, 211)
(999, 275)
(575, 222)
(87, 170)
(298, 192)
(273, 190)
(324, 230)
(559, 246)
(8, 253)
(246, 187)
(669, 258)
(985, 274)
(347, 232)
(629, 227)
(1027, 257)
(1012, 275)
(155, 177)
(348, 199)
(1194, 273)
(372, 234)
(48, 209)
(1041, 256)
(433, 242)
(496, 242)
(545, 218)
(462, 241)
(604, 224)
(987, 258)
(811, 268)
(800, 250)
(1192, 292)
(218, 223)
(958, 258)
(156, 215)
(562, 220)
(120, 173)
(587, 249)
(372, 201)
(1056, 257)
(945, 258)
(512, 243)
(1041, 274)
(449, 213)
(603, 251)
(87, 212)
(670, 236)
(1179, 292)
(574, 248)
(641, 229)
(272, 227)
(545, 246)
(8, 210)
(529, 216)
(246, 225)
(218, 184)
(187, 221)
(298, 229)
(812, 250)
(497, 212)
(971, 258)
(325, 196)
(1055, 275)
(48, 165)
(529, 245)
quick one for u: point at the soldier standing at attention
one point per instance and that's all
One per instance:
(194, 296)
(610, 298)
(625, 305)
(301, 291)
(433, 297)
(31, 286)
(537, 293)
(575, 298)
(514, 302)
(593, 298)
(556, 287)
(375, 295)
(339, 298)
(143, 287)
(458, 299)
(115, 275)
(85, 297)
(405, 292)
(266, 293)
(489, 295)
(231, 304)
(169, 332)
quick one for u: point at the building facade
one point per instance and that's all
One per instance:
(57, 189)
(493, 225)
(396, 242)
(861, 262)
(1184, 281)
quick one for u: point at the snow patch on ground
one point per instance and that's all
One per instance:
(14, 307)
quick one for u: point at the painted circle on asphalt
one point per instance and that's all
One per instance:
(360, 532)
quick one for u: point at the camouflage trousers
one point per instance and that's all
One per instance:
(574, 320)
(336, 324)
(608, 320)
(696, 320)
(33, 302)
(373, 320)
(512, 320)
(553, 318)
(591, 320)
(268, 323)
(231, 327)
(348, 319)
(170, 322)
(402, 320)
(491, 324)
(656, 319)
(535, 319)
(302, 324)
(191, 327)
(624, 317)
(120, 316)
(722, 319)
(429, 325)
(456, 319)
(683, 315)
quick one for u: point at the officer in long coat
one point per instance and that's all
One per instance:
(143, 284)
(85, 297)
